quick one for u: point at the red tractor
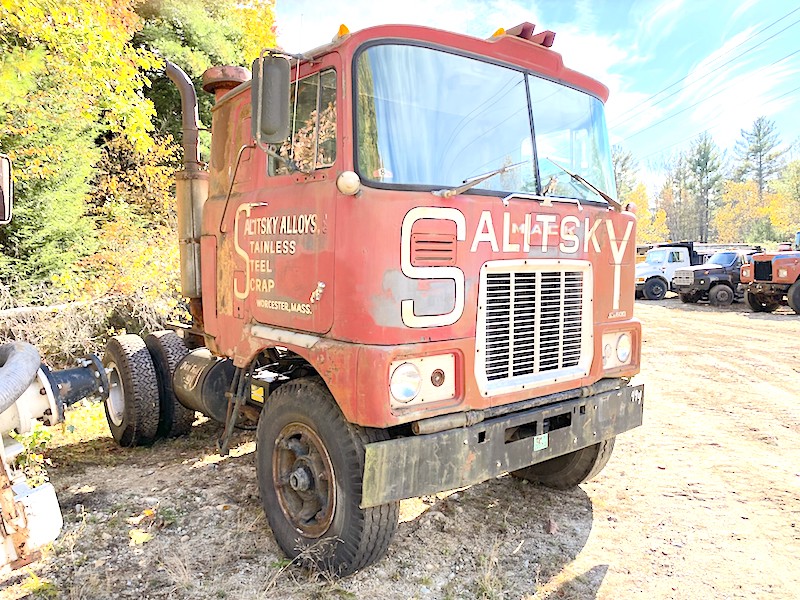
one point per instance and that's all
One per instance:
(405, 265)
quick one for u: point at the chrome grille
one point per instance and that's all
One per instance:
(534, 323)
(683, 278)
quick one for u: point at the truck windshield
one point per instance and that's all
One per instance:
(656, 257)
(724, 259)
(432, 119)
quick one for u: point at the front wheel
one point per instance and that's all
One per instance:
(310, 464)
(721, 295)
(655, 289)
(565, 472)
(793, 296)
(759, 302)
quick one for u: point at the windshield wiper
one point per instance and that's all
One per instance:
(473, 181)
(592, 187)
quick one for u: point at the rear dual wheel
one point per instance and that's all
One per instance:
(141, 405)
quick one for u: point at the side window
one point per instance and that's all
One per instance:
(312, 144)
(674, 257)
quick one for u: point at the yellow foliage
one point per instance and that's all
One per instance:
(739, 212)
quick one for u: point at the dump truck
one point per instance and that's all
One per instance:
(654, 275)
(31, 393)
(405, 265)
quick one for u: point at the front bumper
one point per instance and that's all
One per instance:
(761, 287)
(426, 464)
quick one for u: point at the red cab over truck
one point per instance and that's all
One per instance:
(405, 264)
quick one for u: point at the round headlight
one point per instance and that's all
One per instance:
(405, 382)
(624, 347)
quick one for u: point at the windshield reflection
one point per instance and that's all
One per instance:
(433, 119)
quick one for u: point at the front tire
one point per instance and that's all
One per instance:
(721, 295)
(655, 289)
(760, 303)
(310, 464)
(793, 296)
(568, 471)
(132, 407)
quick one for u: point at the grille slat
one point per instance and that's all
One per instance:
(532, 322)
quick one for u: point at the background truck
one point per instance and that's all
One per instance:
(654, 275)
(717, 280)
(773, 279)
(30, 516)
(396, 280)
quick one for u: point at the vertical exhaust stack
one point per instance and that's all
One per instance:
(191, 190)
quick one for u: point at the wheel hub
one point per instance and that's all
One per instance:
(304, 481)
(115, 403)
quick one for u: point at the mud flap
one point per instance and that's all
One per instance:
(426, 464)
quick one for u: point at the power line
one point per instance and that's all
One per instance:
(700, 78)
(708, 129)
(719, 91)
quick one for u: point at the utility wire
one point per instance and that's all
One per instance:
(703, 76)
(719, 91)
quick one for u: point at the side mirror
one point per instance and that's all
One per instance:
(7, 191)
(269, 99)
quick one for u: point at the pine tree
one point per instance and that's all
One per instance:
(759, 156)
(704, 176)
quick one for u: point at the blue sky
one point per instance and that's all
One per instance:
(675, 68)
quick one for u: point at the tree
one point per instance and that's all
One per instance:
(742, 213)
(650, 227)
(675, 199)
(704, 175)
(784, 209)
(624, 171)
(196, 35)
(759, 155)
(69, 73)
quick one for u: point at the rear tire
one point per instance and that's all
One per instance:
(310, 464)
(721, 295)
(655, 289)
(132, 407)
(167, 350)
(568, 471)
(759, 303)
(793, 296)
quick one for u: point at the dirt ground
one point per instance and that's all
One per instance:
(703, 501)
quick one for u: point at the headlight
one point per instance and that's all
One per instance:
(617, 349)
(624, 347)
(746, 272)
(405, 382)
(783, 273)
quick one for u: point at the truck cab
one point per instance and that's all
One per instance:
(417, 282)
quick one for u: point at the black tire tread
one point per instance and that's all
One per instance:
(713, 296)
(581, 465)
(377, 525)
(167, 350)
(140, 421)
(650, 283)
(793, 297)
